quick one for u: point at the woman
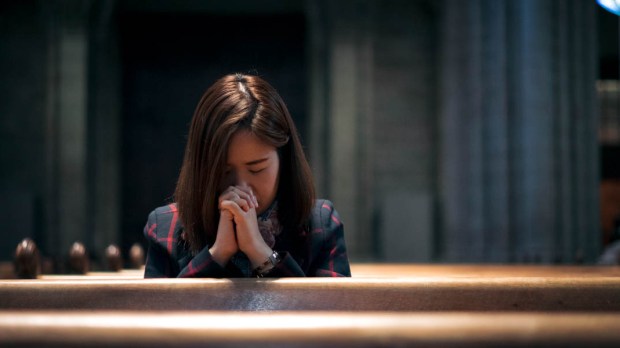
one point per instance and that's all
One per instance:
(245, 197)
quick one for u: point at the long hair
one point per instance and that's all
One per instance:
(239, 102)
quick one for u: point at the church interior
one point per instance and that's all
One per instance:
(471, 147)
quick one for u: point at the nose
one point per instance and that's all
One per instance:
(241, 181)
(242, 184)
(234, 178)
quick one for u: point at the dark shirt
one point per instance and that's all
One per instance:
(324, 256)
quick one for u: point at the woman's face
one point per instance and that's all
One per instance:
(253, 164)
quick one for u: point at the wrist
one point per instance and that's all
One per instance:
(268, 265)
(220, 256)
(258, 253)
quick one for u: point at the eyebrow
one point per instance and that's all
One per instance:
(251, 163)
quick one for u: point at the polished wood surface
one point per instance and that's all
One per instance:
(122, 274)
(350, 294)
(395, 270)
(382, 305)
(369, 329)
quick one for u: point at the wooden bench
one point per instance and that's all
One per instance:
(601, 294)
(383, 270)
(387, 270)
(123, 274)
(307, 329)
(383, 305)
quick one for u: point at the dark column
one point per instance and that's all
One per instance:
(518, 162)
(104, 108)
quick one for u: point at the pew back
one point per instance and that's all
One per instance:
(312, 294)
(307, 329)
(403, 270)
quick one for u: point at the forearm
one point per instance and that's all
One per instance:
(203, 265)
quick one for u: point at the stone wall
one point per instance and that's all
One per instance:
(448, 131)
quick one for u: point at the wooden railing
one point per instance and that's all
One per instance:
(309, 294)
(382, 305)
(307, 329)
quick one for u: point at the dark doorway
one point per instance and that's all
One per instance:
(168, 61)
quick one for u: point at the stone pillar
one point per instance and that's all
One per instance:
(22, 124)
(518, 163)
(373, 134)
(340, 39)
(532, 129)
(66, 133)
(104, 127)
(461, 126)
(494, 108)
(404, 128)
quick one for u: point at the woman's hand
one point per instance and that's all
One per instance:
(225, 245)
(242, 207)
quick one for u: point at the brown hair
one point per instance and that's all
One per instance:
(232, 103)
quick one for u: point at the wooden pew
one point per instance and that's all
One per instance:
(122, 274)
(598, 294)
(386, 270)
(307, 329)
(383, 305)
(28, 264)
(395, 271)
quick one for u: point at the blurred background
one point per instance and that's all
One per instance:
(478, 131)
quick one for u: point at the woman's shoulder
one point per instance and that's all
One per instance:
(166, 209)
(323, 204)
(324, 213)
(164, 219)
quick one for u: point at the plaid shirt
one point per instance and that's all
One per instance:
(169, 255)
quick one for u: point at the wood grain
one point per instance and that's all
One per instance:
(305, 329)
(567, 293)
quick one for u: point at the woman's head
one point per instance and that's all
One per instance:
(242, 134)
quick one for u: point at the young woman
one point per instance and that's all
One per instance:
(245, 202)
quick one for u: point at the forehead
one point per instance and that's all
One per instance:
(244, 147)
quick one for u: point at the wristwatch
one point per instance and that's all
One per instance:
(268, 265)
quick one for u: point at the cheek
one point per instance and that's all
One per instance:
(269, 185)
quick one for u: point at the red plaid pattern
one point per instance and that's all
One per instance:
(325, 254)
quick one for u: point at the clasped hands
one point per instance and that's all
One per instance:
(238, 228)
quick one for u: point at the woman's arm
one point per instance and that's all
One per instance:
(158, 262)
(332, 257)
(163, 238)
(329, 250)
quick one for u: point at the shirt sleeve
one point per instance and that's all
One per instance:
(332, 257)
(161, 264)
(328, 248)
(204, 266)
(158, 262)
(330, 251)
(287, 267)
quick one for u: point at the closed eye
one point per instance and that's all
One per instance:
(256, 171)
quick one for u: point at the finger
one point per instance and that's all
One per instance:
(228, 193)
(244, 193)
(237, 192)
(250, 193)
(228, 196)
(232, 207)
(242, 203)
(237, 196)
(254, 199)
